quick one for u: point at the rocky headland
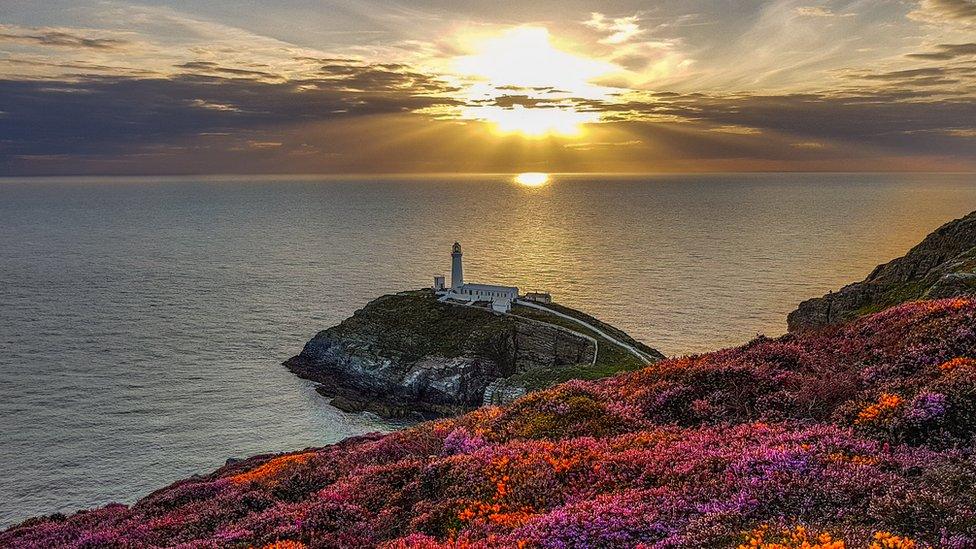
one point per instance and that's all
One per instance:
(409, 354)
(942, 265)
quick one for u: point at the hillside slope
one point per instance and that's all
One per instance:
(855, 436)
(942, 265)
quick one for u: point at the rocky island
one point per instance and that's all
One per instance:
(413, 354)
(942, 265)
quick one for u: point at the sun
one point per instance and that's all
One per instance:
(521, 83)
(525, 57)
(532, 179)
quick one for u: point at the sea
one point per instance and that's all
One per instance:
(143, 320)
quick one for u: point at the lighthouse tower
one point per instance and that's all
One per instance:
(457, 272)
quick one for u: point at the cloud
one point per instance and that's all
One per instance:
(595, 145)
(114, 114)
(901, 121)
(947, 52)
(734, 129)
(62, 38)
(211, 123)
(208, 67)
(203, 104)
(946, 78)
(936, 11)
(815, 11)
(619, 29)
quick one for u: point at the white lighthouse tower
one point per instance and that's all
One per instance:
(457, 272)
(498, 298)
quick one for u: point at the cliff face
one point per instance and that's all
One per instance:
(942, 265)
(408, 353)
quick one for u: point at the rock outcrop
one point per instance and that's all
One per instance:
(409, 354)
(942, 265)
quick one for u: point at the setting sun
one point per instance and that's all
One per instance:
(532, 179)
(525, 57)
(524, 84)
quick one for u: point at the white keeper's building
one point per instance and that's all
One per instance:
(499, 297)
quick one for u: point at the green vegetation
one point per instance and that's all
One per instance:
(540, 378)
(610, 355)
(611, 358)
(902, 293)
(414, 324)
(612, 330)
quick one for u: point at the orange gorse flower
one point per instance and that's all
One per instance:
(561, 465)
(957, 303)
(798, 538)
(801, 538)
(939, 305)
(513, 519)
(497, 510)
(887, 403)
(957, 363)
(272, 468)
(840, 457)
(478, 509)
(887, 540)
(285, 544)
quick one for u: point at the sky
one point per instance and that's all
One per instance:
(445, 86)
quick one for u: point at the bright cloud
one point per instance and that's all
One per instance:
(618, 30)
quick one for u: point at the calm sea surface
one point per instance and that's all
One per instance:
(142, 321)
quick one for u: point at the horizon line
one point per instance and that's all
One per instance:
(471, 174)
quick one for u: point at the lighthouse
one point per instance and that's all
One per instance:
(498, 298)
(457, 272)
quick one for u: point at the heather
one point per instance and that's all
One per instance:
(855, 436)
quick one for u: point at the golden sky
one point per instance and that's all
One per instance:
(320, 86)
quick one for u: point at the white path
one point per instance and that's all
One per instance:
(630, 348)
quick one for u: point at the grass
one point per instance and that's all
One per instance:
(540, 378)
(900, 293)
(414, 324)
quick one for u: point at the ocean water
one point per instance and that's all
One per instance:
(143, 320)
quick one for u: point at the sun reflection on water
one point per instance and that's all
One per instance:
(532, 179)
